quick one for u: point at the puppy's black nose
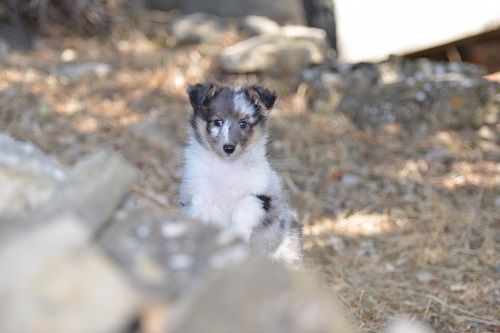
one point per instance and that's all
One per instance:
(229, 149)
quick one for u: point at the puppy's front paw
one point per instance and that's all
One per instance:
(266, 201)
(247, 215)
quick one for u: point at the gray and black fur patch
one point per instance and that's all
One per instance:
(266, 201)
(243, 112)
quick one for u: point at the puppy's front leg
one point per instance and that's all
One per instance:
(246, 216)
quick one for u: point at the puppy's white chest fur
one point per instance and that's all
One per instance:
(214, 188)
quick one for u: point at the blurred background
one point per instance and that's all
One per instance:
(386, 132)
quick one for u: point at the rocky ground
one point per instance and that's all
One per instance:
(393, 168)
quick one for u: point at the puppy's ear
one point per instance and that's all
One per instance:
(261, 97)
(201, 93)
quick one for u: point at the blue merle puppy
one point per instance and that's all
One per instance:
(227, 179)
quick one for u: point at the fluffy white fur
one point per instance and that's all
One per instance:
(223, 191)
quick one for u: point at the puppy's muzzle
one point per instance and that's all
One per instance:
(229, 149)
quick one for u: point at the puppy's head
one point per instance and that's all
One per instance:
(229, 121)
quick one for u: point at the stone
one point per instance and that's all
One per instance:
(283, 11)
(366, 249)
(454, 102)
(175, 253)
(94, 188)
(92, 191)
(28, 176)
(289, 51)
(414, 93)
(350, 180)
(425, 276)
(338, 244)
(254, 25)
(258, 296)
(488, 133)
(197, 28)
(53, 280)
(78, 71)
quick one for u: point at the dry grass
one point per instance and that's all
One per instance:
(413, 235)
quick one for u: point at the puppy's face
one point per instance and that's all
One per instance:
(229, 121)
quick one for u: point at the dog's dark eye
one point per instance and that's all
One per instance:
(243, 124)
(217, 123)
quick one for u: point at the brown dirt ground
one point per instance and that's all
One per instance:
(389, 229)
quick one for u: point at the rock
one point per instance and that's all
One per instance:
(410, 92)
(27, 175)
(284, 11)
(76, 72)
(452, 103)
(287, 52)
(259, 25)
(197, 28)
(258, 296)
(68, 55)
(350, 180)
(338, 244)
(53, 280)
(367, 249)
(93, 189)
(173, 254)
(425, 276)
(488, 133)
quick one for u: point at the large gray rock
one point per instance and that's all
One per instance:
(199, 27)
(283, 11)
(294, 48)
(254, 25)
(410, 92)
(454, 102)
(92, 191)
(53, 280)
(259, 296)
(167, 253)
(28, 177)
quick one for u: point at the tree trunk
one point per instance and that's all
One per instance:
(320, 14)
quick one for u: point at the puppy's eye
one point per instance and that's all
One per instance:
(217, 123)
(243, 124)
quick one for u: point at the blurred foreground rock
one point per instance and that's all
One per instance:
(81, 254)
(264, 295)
(166, 253)
(36, 190)
(289, 50)
(54, 280)
(27, 176)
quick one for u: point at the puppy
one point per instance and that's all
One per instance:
(227, 179)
